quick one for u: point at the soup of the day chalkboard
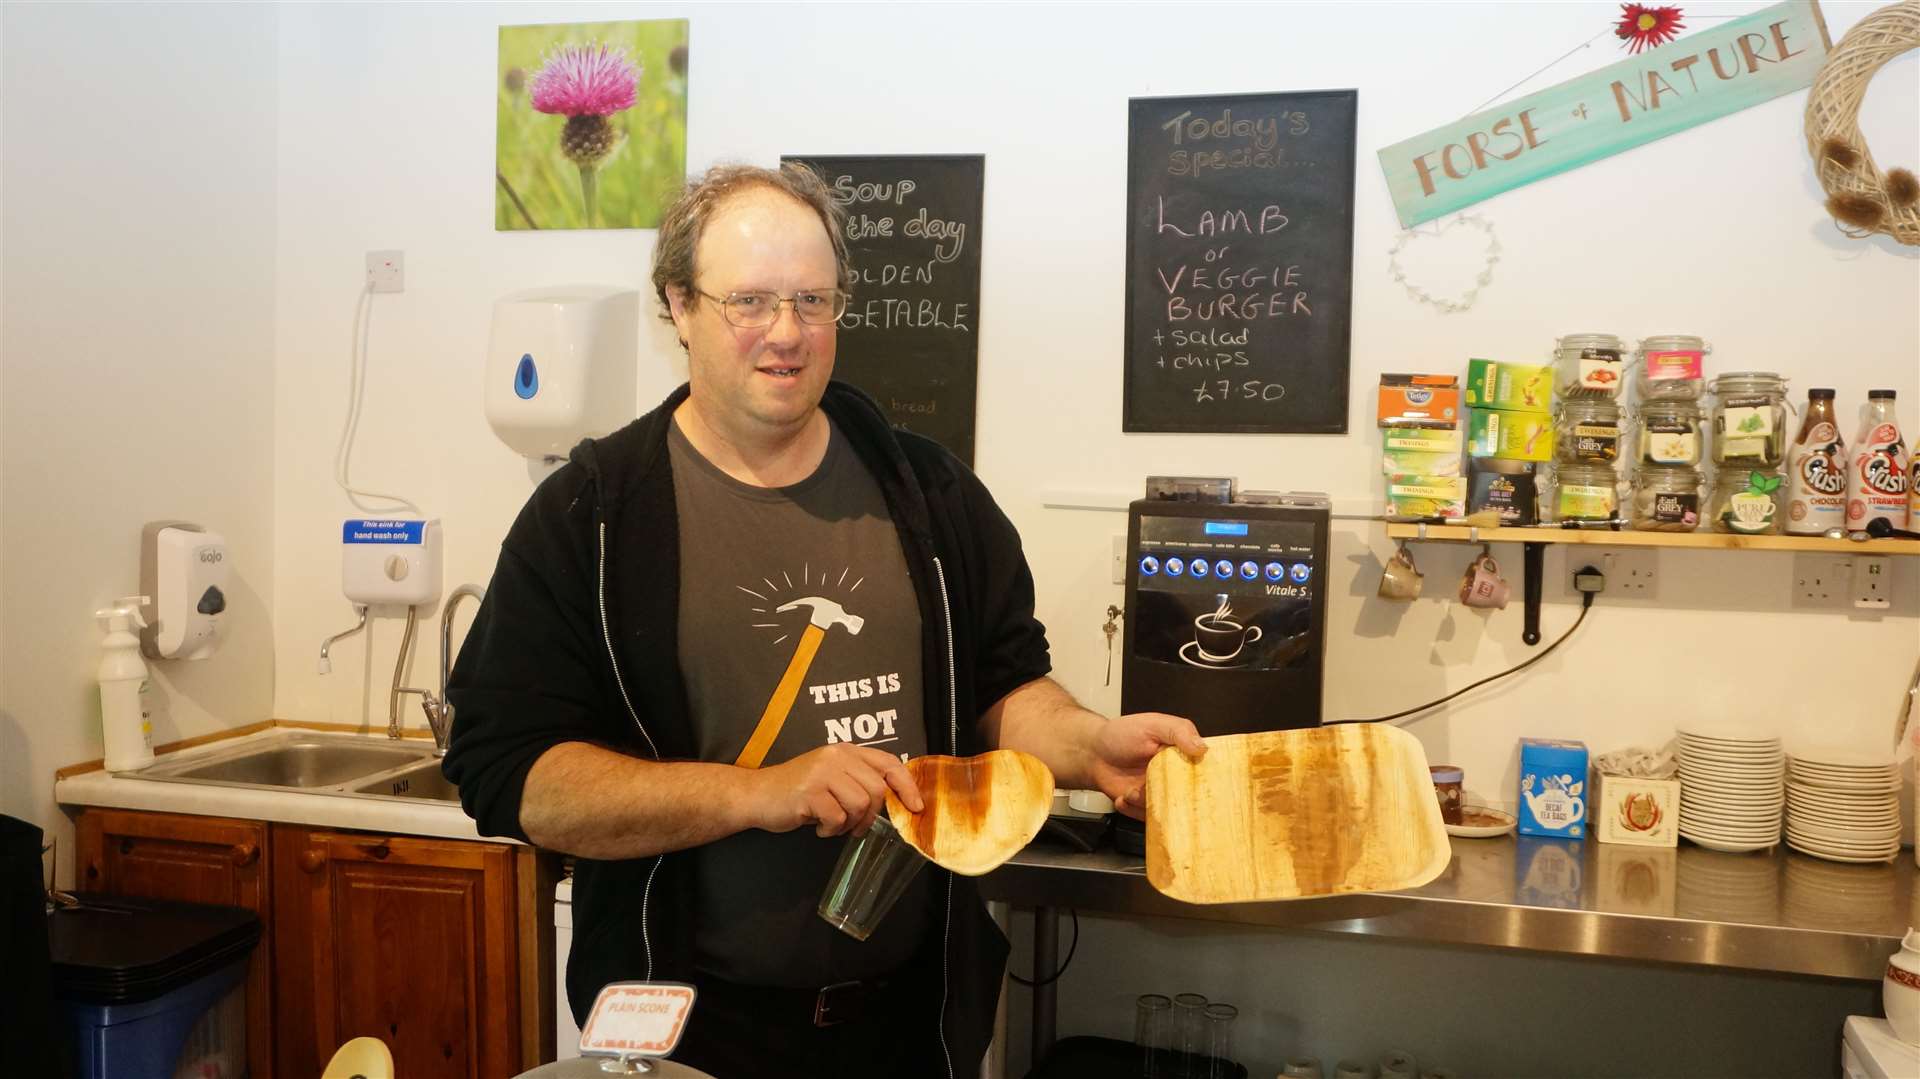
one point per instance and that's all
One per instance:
(1239, 262)
(910, 337)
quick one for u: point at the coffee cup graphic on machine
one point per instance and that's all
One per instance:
(1219, 637)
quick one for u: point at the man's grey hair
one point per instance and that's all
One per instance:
(687, 219)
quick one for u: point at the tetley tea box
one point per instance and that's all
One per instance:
(1553, 782)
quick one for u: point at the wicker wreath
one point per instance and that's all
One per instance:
(1862, 199)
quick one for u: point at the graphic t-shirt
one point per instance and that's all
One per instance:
(803, 587)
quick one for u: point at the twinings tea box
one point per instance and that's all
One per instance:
(1553, 788)
(1506, 487)
(1421, 451)
(1510, 436)
(1427, 496)
(1510, 386)
(1632, 809)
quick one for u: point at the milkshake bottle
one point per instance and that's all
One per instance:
(1817, 471)
(1878, 484)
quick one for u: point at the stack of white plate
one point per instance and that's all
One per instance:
(1843, 806)
(1731, 788)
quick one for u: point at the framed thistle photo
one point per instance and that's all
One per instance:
(592, 130)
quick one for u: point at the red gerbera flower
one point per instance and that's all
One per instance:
(1644, 27)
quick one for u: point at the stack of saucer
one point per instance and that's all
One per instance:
(1842, 806)
(1731, 788)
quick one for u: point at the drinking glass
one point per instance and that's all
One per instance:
(1303, 1068)
(1153, 1032)
(1189, 1030)
(873, 871)
(1218, 1020)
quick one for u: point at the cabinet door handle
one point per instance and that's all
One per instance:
(244, 854)
(379, 850)
(312, 860)
(126, 846)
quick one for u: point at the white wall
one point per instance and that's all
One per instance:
(386, 133)
(136, 355)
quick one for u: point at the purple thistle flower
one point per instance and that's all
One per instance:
(586, 80)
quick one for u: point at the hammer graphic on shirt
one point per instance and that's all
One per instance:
(823, 614)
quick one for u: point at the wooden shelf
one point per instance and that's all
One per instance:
(1705, 541)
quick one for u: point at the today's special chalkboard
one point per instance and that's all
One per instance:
(1239, 262)
(910, 336)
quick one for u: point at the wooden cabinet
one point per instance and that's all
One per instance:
(435, 946)
(194, 860)
(408, 940)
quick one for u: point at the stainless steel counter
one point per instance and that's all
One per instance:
(1779, 912)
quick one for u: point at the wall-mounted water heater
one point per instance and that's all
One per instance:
(184, 571)
(390, 563)
(561, 367)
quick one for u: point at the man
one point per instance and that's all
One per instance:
(710, 641)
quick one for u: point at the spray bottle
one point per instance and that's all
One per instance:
(124, 714)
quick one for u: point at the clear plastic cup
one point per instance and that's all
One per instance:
(873, 871)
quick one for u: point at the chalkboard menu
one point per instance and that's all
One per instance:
(1239, 262)
(911, 335)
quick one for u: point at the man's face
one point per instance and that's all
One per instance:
(768, 380)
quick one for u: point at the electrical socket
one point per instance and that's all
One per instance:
(1631, 572)
(1119, 571)
(387, 271)
(1872, 587)
(1821, 580)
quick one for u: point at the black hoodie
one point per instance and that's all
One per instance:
(576, 643)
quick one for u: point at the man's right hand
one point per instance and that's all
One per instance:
(838, 789)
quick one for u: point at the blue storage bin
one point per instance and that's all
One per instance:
(149, 989)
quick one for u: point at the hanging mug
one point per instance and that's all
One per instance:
(1401, 578)
(1483, 586)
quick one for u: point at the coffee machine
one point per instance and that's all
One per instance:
(1226, 606)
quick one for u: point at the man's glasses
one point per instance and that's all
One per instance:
(758, 310)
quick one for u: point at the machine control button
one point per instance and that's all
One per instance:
(1149, 566)
(1276, 571)
(1199, 567)
(1175, 566)
(1300, 572)
(1223, 569)
(1249, 571)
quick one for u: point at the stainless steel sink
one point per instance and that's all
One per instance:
(299, 761)
(420, 781)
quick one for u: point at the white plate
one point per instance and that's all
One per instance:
(1843, 758)
(1843, 837)
(1710, 731)
(1470, 831)
(1852, 850)
(1732, 831)
(1730, 847)
(1689, 754)
(1856, 775)
(1851, 859)
(1885, 787)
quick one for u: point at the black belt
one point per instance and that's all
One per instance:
(828, 1006)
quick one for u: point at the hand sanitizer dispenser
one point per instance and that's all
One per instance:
(561, 367)
(183, 567)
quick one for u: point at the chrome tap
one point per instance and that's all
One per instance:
(438, 709)
(326, 665)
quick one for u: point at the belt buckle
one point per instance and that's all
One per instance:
(826, 1013)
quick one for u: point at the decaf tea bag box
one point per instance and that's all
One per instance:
(1553, 783)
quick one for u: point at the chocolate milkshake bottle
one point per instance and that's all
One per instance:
(1817, 471)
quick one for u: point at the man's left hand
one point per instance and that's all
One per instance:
(1125, 745)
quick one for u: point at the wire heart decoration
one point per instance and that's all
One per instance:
(1485, 277)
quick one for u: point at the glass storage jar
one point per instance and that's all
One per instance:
(1588, 365)
(1670, 368)
(1745, 501)
(1670, 433)
(1585, 493)
(1589, 431)
(1750, 420)
(1666, 498)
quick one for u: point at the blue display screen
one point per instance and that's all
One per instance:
(1226, 528)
